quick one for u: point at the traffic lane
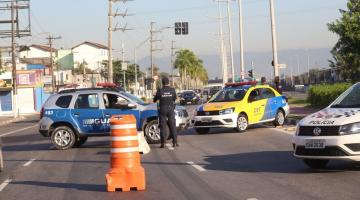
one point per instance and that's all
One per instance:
(259, 163)
(28, 122)
(80, 174)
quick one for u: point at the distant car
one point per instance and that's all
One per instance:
(1, 158)
(332, 133)
(239, 105)
(189, 97)
(71, 116)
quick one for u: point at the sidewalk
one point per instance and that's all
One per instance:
(4, 120)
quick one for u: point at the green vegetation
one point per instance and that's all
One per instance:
(346, 52)
(323, 95)
(190, 66)
(298, 102)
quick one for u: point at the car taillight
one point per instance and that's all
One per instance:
(42, 113)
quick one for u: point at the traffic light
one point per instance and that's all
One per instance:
(148, 83)
(251, 73)
(178, 28)
(185, 28)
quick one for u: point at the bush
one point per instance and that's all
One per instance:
(323, 95)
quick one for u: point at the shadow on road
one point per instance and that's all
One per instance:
(28, 147)
(269, 161)
(78, 186)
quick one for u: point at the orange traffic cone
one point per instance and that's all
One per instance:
(126, 171)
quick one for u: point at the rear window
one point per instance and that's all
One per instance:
(64, 101)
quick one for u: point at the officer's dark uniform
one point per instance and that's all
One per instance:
(167, 96)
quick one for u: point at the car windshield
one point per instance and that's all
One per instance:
(188, 94)
(349, 99)
(229, 95)
(134, 98)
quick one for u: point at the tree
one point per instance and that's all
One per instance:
(189, 65)
(129, 73)
(346, 52)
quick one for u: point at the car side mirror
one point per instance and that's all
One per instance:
(131, 105)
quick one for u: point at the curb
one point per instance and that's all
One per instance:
(12, 120)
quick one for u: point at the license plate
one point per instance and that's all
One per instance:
(206, 119)
(315, 144)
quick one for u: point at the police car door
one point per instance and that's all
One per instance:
(256, 106)
(271, 103)
(118, 105)
(87, 113)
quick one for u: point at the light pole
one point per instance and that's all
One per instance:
(241, 41)
(274, 43)
(230, 41)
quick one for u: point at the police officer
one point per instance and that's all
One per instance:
(167, 96)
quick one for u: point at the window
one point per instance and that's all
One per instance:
(64, 101)
(229, 95)
(111, 99)
(267, 93)
(86, 101)
(254, 95)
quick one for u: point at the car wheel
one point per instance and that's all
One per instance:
(279, 118)
(152, 132)
(63, 138)
(1, 161)
(242, 123)
(316, 163)
(202, 131)
(80, 141)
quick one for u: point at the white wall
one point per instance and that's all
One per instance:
(93, 56)
(35, 53)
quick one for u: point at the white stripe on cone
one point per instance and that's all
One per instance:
(125, 126)
(124, 138)
(125, 150)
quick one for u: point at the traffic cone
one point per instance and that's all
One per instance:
(126, 171)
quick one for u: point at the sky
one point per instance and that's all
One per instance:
(300, 24)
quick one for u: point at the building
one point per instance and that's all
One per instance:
(90, 54)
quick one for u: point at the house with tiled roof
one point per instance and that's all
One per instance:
(92, 54)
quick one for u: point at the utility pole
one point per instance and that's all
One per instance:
(172, 62)
(152, 49)
(111, 15)
(110, 30)
(224, 67)
(13, 59)
(242, 67)
(123, 63)
(53, 83)
(274, 42)
(230, 41)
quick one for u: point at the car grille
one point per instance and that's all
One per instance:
(183, 113)
(325, 130)
(207, 113)
(213, 123)
(327, 151)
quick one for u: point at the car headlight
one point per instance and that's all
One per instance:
(226, 111)
(350, 129)
(195, 97)
(297, 130)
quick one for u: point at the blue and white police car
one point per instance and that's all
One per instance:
(71, 116)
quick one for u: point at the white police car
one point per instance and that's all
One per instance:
(332, 133)
(71, 116)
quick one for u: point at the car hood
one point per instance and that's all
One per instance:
(332, 116)
(217, 106)
(153, 106)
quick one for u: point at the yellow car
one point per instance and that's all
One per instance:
(239, 105)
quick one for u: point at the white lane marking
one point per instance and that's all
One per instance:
(4, 184)
(252, 199)
(198, 167)
(15, 131)
(169, 147)
(29, 162)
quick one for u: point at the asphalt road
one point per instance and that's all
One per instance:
(224, 164)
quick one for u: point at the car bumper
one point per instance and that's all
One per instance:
(287, 110)
(187, 101)
(182, 123)
(215, 121)
(44, 126)
(336, 148)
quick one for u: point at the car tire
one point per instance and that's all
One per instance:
(242, 123)
(1, 160)
(202, 131)
(316, 163)
(63, 137)
(80, 141)
(152, 132)
(279, 118)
